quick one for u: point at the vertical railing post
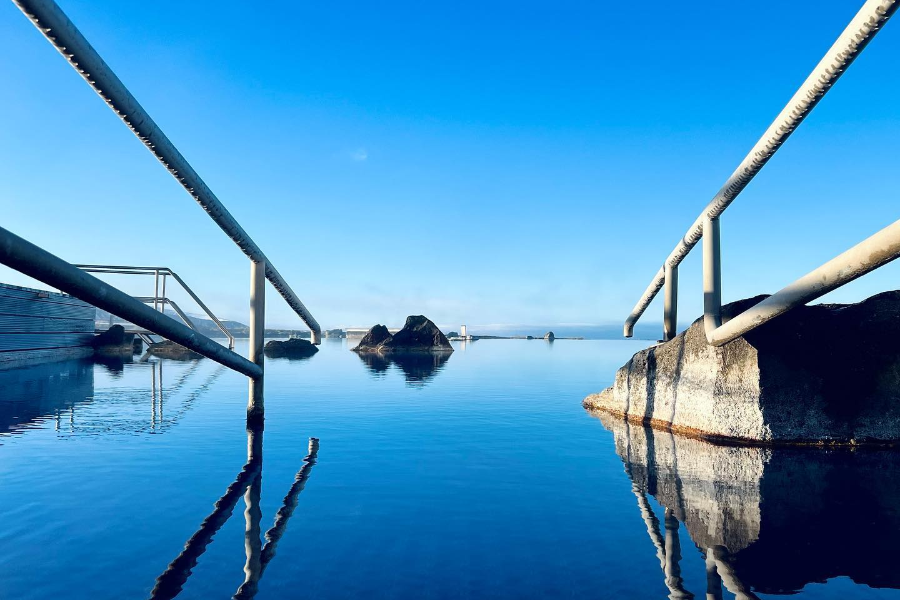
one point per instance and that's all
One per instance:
(670, 303)
(163, 296)
(255, 407)
(712, 275)
(156, 289)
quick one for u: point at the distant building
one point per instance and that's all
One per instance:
(462, 331)
(361, 331)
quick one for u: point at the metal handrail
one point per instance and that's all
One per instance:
(164, 271)
(860, 31)
(36, 262)
(162, 301)
(28, 258)
(62, 33)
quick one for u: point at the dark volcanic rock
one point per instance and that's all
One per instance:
(114, 342)
(114, 336)
(825, 373)
(292, 348)
(171, 350)
(549, 336)
(419, 334)
(375, 336)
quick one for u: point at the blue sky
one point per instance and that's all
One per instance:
(502, 163)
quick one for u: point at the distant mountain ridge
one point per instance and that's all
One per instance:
(612, 331)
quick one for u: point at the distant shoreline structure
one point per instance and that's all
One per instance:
(473, 338)
(358, 332)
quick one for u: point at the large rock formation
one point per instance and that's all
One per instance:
(419, 334)
(828, 373)
(773, 519)
(294, 348)
(373, 338)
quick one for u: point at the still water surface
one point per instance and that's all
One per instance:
(479, 476)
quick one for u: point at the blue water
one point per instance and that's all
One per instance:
(479, 477)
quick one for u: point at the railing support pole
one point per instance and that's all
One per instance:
(163, 302)
(156, 290)
(712, 275)
(870, 19)
(670, 303)
(255, 407)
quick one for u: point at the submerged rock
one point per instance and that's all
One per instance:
(292, 348)
(828, 373)
(171, 350)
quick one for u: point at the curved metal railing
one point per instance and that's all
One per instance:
(62, 33)
(866, 256)
(32, 260)
(160, 274)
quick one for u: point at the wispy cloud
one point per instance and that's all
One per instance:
(359, 154)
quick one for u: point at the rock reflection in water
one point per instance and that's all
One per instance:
(417, 367)
(114, 364)
(765, 520)
(375, 363)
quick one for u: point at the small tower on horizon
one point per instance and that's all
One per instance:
(462, 332)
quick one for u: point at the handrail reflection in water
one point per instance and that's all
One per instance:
(49, 392)
(249, 483)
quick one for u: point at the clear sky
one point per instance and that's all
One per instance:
(481, 163)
